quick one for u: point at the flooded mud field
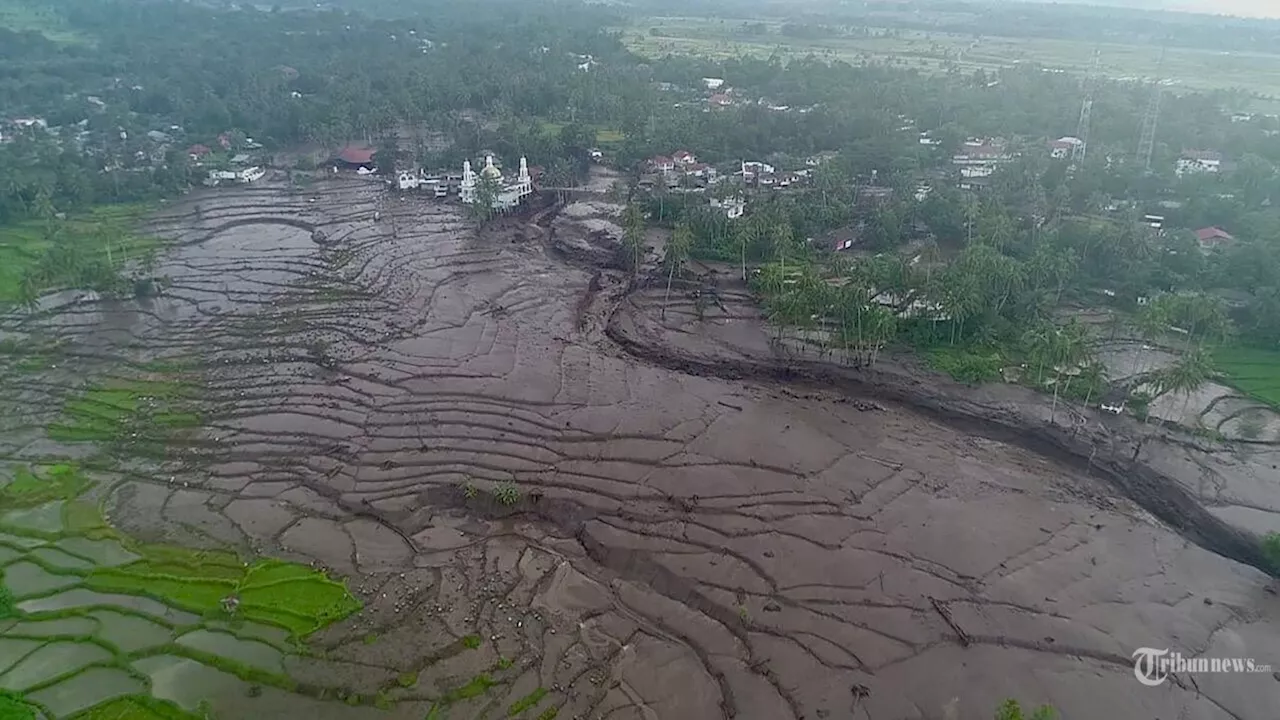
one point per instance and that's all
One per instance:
(548, 502)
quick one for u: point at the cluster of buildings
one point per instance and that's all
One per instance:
(1198, 162)
(509, 190)
(978, 159)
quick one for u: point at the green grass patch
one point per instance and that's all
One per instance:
(287, 595)
(528, 702)
(966, 364)
(609, 137)
(135, 707)
(29, 16)
(30, 488)
(478, 686)
(137, 410)
(13, 708)
(471, 642)
(549, 714)
(936, 52)
(25, 245)
(7, 607)
(1253, 371)
(604, 136)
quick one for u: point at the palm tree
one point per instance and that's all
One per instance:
(674, 256)
(1071, 348)
(1185, 376)
(633, 236)
(782, 241)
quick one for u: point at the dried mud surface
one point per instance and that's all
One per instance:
(450, 420)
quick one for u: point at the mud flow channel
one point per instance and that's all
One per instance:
(539, 524)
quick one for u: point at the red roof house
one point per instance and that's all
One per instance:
(1213, 237)
(683, 157)
(198, 151)
(720, 100)
(357, 155)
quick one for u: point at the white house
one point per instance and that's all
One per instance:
(243, 176)
(683, 158)
(1195, 162)
(1062, 148)
(713, 83)
(752, 169)
(734, 207)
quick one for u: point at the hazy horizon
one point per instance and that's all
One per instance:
(1242, 8)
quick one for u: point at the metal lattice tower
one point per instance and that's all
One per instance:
(1086, 109)
(1147, 140)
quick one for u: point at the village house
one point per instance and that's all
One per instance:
(29, 123)
(1213, 238)
(683, 158)
(1194, 162)
(752, 170)
(1062, 148)
(874, 195)
(821, 158)
(243, 176)
(713, 83)
(734, 207)
(660, 164)
(978, 160)
(355, 157)
(720, 100)
(197, 152)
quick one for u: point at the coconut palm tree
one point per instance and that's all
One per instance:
(633, 236)
(674, 257)
(1185, 376)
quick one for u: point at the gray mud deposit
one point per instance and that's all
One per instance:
(442, 417)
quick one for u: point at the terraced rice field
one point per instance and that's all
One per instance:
(428, 423)
(1253, 371)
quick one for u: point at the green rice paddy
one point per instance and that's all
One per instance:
(83, 607)
(1190, 68)
(1253, 371)
(22, 245)
(134, 410)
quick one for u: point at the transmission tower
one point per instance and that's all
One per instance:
(1086, 108)
(1147, 140)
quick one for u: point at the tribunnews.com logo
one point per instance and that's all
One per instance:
(1152, 667)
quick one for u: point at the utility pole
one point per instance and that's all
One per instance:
(1086, 109)
(1147, 140)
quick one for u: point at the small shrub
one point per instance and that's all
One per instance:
(1012, 710)
(1270, 548)
(527, 702)
(504, 663)
(407, 679)
(471, 642)
(1141, 404)
(7, 607)
(469, 490)
(507, 493)
(970, 366)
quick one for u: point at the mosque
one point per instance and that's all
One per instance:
(510, 191)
